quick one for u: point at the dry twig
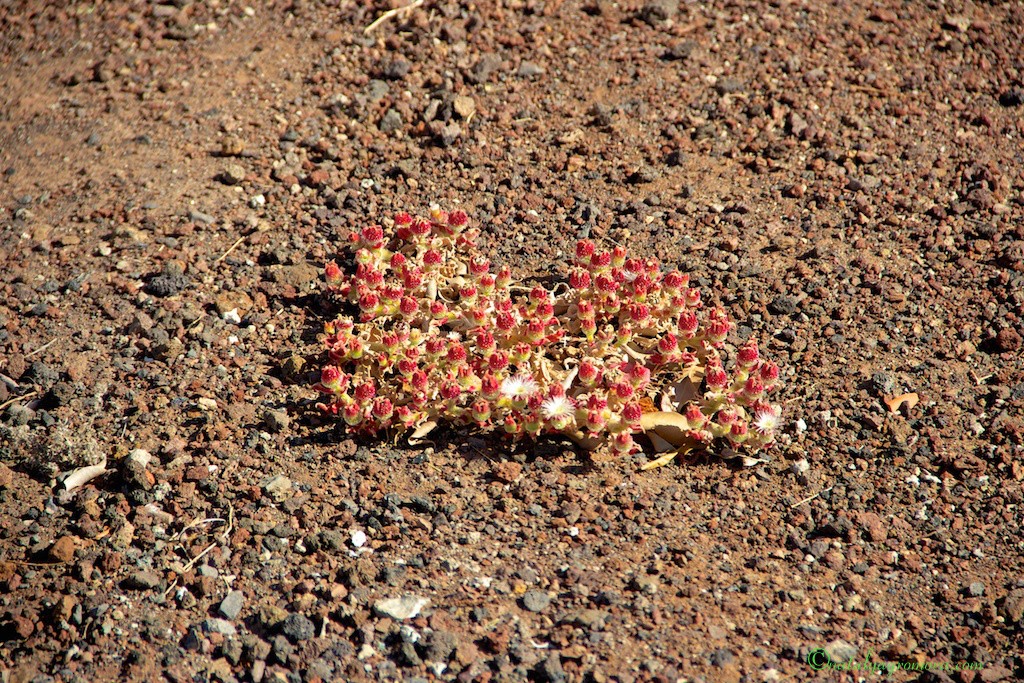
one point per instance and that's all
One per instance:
(40, 349)
(392, 13)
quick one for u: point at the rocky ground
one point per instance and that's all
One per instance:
(845, 178)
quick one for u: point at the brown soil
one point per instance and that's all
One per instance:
(845, 179)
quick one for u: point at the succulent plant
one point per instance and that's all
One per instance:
(436, 334)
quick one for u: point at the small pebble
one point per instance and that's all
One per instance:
(400, 608)
(232, 604)
(277, 486)
(276, 420)
(145, 579)
(232, 174)
(536, 600)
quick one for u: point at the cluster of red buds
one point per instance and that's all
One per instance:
(439, 335)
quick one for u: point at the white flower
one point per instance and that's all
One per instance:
(519, 388)
(557, 407)
(558, 411)
(766, 419)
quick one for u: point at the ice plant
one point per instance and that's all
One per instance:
(432, 332)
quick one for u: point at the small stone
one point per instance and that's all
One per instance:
(729, 86)
(1006, 341)
(222, 626)
(18, 415)
(647, 585)
(407, 655)
(232, 604)
(231, 146)
(722, 657)
(400, 608)
(840, 650)
(588, 618)
(278, 487)
(145, 579)
(201, 217)
(507, 471)
(297, 627)
(276, 420)
(976, 589)
(529, 70)
(550, 670)
(171, 281)
(464, 106)
(196, 473)
(358, 538)
(141, 457)
(169, 350)
(239, 301)
(1013, 606)
(440, 646)
(60, 394)
(449, 134)
(292, 366)
(783, 305)
(656, 11)
(395, 69)
(873, 526)
(135, 470)
(63, 549)
(676, 157)
(488, 63)
(232, 174)
(375, 90)
(681, 49)
(42, 374)
(390, 122)
(536, 600)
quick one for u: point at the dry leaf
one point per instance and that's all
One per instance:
(416, 438)
(671, 427)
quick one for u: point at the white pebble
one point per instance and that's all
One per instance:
(358, 538)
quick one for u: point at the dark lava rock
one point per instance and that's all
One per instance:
(42, 374)
(60, 394)
(171, 281)
(298, 627)
(783, 305)
(1014, 97)
(395, 69)
(329, 540)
